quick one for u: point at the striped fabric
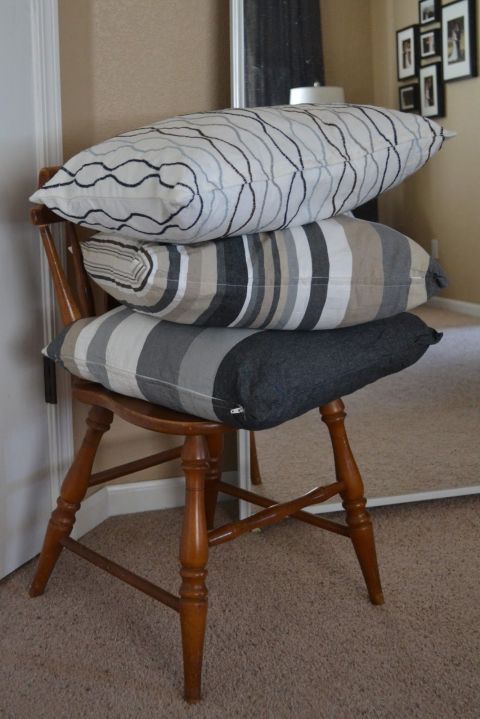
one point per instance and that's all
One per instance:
(246, 378)
(334, 273)
(231, 172)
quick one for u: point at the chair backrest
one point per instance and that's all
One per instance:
(74, 301)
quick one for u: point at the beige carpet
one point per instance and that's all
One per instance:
(291, 632)
(414, 431)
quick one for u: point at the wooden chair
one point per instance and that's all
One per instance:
(201, 462)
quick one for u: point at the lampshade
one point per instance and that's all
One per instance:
(321, 94)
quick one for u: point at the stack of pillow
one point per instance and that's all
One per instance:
(219, 229)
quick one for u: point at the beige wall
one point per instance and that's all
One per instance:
(347, 49)
(128, 62)
(442, 200)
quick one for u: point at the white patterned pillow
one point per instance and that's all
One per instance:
(327, 274)
(229, 172)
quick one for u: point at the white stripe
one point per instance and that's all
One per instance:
(304, 258)
(340, 273)
(84, 339)
(248, 297)
(123, 351)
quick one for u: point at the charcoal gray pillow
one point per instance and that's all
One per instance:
(229, 172)
(333, 273)
(246, 378)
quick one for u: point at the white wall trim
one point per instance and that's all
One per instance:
(131, 497)
(472, 309)
(49, 151)
(237, 54)
(399, 499)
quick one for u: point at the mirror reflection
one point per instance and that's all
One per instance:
(414, 434)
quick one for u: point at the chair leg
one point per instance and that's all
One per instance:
(72, 492)
(358, 519)
(193, 559)
(255, 475)
(215, 451)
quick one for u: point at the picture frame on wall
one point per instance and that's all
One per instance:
(430, 43)
(432, 90)
(408, 98)
(459, 40)
(407, 52)
(429, 11)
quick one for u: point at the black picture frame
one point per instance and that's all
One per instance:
(407, 41)
(433, 7)
(409, 98)
(459, 40)
(432, 93)
(435, 37)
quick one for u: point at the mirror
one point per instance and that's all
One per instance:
(414, 434)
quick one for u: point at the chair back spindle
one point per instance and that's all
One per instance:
(82, 283)
(69, 310)
(73, 305)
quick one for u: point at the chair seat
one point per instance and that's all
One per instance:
(245, 378)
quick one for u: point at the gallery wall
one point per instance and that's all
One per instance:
(442, 200)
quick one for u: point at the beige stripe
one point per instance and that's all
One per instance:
(417, 294)
(269, 283)
(366, 290)
(284, 275)
(68, 350)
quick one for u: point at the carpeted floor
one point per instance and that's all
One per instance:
(291, 632)
(414, 431)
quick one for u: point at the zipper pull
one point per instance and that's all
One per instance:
(237, 410)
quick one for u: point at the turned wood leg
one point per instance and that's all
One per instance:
(214, 473)
(358, 519)
(193, 559)
(255, 475)
(72, 492)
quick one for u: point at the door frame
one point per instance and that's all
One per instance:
(49, 151)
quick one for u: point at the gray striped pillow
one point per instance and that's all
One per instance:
(245, 378)
(333, 273)
(229, 172)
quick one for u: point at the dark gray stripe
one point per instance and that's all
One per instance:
(397, 262)
(277, 279)
(97, 349)
(161, 356)
(320, 273)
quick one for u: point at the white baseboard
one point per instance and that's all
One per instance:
(399, 499)
(472, 309)
(131, 497)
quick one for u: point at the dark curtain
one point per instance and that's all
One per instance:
(283, 49)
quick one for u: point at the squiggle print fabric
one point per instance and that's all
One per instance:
(230, 172)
